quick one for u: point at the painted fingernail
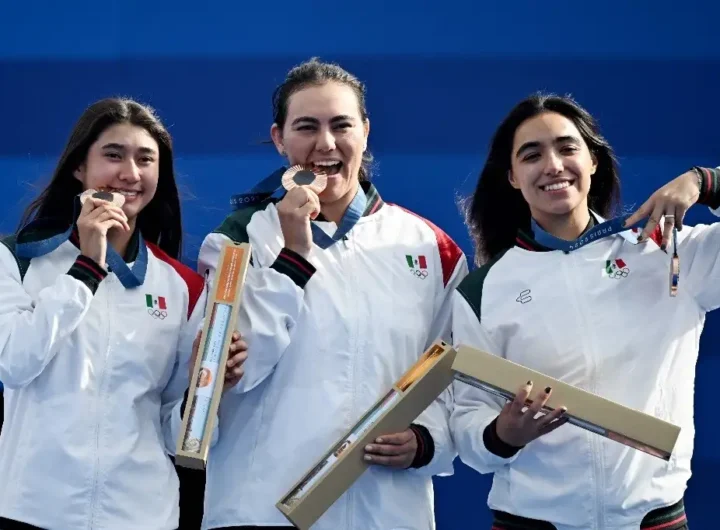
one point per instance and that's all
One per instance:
(368, 458)
(379, 440)
(547, 390)
(368, 447)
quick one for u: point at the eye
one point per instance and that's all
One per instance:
(114, 156)
(530, 157)
(306, 128)
(569, 149)
(343, 125)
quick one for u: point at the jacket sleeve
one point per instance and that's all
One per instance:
(32, 332)
(175, 395)
(435, 419)
(474, 412)
(272, 301)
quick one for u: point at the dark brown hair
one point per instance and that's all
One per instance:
(160, 221)
(315, 73)
(496, 211)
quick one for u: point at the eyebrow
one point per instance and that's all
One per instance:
(121, 147)
(315, 121)
(559, 140)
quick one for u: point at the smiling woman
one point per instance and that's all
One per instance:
(91, 372)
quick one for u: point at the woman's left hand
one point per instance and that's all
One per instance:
(671, 202)
(393, 450)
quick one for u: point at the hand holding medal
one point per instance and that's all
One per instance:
(670, 202)
(101, 211)
(300, 204)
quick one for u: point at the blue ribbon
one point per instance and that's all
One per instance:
(597, 232)
(270, 185)
(130, 278)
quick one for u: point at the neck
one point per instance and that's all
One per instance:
(568, 227)
(119, 240)
(334, 211)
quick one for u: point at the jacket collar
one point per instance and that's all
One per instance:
(526, 238)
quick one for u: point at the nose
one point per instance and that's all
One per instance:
(553, 164)
(129, 171)
(325, 141)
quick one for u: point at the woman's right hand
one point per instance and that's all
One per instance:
(518, 427)
(295, 210)
(96, 218)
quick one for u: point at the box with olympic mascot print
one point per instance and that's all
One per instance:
(208, 374)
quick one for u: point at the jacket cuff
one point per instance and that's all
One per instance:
(709, 182)
(425, 446)
(87, 271)
(495, 445)
(293, 265)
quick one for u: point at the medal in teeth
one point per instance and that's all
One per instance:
(311, 175)
(117, 199)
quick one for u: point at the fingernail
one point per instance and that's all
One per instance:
(547, 390)
(529, 382)
(663, 246)
(379, 440)
(564, 409)
(368, 458)
(368, 448)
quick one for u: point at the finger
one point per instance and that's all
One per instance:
(236, 336)
(667, 231)
(237, 359)
(680, 212)
(235, 374)
(539, 401)
(389, 461)
(389, 449)
(550, 427)
(399, 438)
(653, 221)
(552, 416)
(519, 403)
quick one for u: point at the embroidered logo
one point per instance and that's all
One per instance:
(417, 265)
(616, 269)
(524, 297)
(156, 306)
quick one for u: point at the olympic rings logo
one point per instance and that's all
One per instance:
(419, 273)
(162, 315)
(620, 273)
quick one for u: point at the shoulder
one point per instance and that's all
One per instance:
(471, 288)
(235, 225)
(449, 252)
(192, 280)
(9, 243)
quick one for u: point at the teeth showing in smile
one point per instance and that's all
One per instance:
(327, 163)
(556, 186)
(126, 193)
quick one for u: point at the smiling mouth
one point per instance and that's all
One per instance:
(329, 167)
(556, 186)
(129, 195)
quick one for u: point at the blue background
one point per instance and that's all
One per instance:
(440, 78)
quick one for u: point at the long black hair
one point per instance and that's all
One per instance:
(496, 211)
(160, 221)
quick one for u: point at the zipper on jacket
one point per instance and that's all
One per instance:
(598, 466)
(99, 399)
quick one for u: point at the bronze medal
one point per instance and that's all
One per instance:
(305, 175)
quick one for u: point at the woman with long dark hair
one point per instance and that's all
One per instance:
(97, 324)
(571, 287)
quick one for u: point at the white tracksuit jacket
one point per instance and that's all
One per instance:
(91, 374)
(324, 345)
(599, 318)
